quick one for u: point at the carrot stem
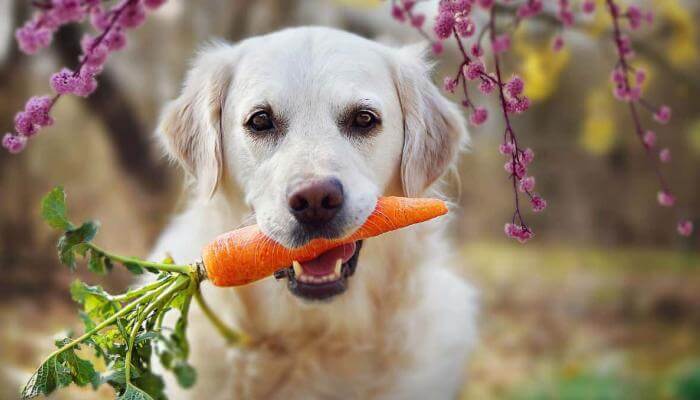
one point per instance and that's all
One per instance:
(232, 336)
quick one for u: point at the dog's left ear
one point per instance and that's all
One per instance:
(434, 127)
(190, 126)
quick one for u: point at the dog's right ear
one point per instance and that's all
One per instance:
(190, 126)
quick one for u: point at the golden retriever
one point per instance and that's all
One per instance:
(300, 131)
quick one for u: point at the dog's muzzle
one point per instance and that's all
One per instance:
(325, 276)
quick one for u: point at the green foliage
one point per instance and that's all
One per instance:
(687, 384)
(110, 321)
(53, 209)
(134, 393)
(74, 243)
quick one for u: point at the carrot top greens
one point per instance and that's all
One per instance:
(126, 332)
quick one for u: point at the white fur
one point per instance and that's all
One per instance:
(406, 323)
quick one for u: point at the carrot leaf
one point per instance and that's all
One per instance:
(124, 332)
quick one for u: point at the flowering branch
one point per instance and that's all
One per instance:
(38, 32)
(632, 94)
(454, 22)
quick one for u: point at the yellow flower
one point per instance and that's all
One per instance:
(540, 67)
(599, 133)
(681, 48)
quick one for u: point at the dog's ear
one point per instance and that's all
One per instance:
(434, 127)
(190, 126)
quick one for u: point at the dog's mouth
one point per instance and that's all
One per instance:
(324, 277)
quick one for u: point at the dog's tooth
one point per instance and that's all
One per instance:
(298, 270)
(338, 266)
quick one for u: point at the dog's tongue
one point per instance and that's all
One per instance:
(325, 263)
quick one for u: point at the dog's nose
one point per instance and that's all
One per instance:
(316, 201)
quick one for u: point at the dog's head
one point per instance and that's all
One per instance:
(313, 124)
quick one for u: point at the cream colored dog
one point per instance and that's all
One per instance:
(302, 130)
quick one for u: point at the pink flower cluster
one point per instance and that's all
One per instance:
(454, 22)
(37, 33)
(627, 87)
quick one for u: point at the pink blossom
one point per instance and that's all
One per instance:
(408, 4)
(527, 184)
(506, 148)
(417, 20)
(557, 43)
(133, 15)
(515, 168)
(634, 93)
(437, 48)
(538, 203)
(115, 40)
(479, 116)
(665, 155)
(38, 108)
(663, 114)
(685, 228)
(521, 233)
(153, 4)
(465, 27)
(24, 124)
(634, 16)
(474, 70)
(666, 199)
(512, 230)
(487, 85)
(64, 81)
(14, 143)
(527, 156)
(95, 54)
(624, 45)
(397, 13)
(476, 50)
(649, 17)
(525, 235)
(444, 24)
(485, 3)
(501, 43)
(649, 139)
(32, 38)
(588, 6)
(449, 84)
(640, 76)
(454, 6)
(529, 9)
(517, 105)
(566, 17)
(101, 19)
(618, 75)
(86, 84)
(68, 10)
(515, 86)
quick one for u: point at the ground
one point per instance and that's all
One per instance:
(557, 323)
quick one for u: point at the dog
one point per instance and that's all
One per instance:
(300, 131)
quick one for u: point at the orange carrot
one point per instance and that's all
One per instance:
(246, 255)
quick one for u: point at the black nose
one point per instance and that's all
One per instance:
(315, 201)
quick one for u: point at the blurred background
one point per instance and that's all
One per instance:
(603, 304)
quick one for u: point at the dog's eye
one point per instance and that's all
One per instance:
(260, 122)
(364, 120)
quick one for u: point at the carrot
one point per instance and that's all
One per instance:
(246, 255)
